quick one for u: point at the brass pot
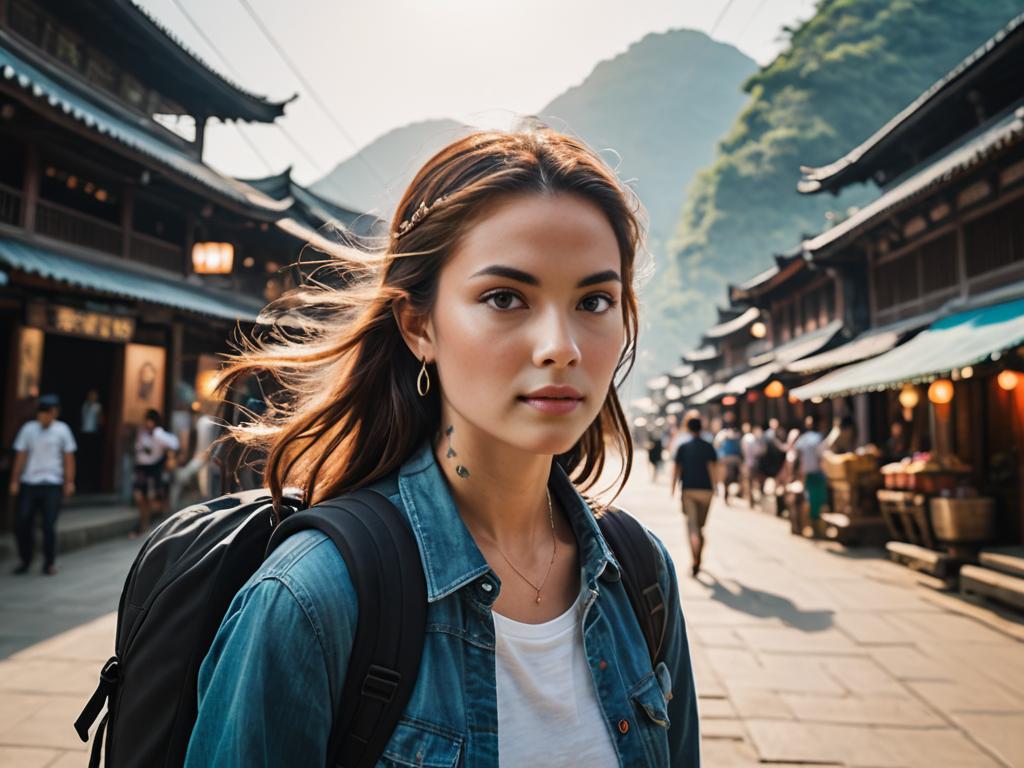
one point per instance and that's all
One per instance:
(963, 520)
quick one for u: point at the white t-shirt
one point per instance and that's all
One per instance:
(810, 446)
(150, 447)
(91, 412)
(45, 451)
(548, 713)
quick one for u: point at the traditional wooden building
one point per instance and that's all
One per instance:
(937, 260)
(126, 261)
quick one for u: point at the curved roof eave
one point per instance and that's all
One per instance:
(248, 106)
(833, 176)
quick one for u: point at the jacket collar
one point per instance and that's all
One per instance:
(451, 558)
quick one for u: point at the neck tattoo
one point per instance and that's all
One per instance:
(460, 470)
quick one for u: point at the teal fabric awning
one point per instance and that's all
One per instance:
(966, 338)
(125, 280)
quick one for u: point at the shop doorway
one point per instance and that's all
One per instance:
(72, 367)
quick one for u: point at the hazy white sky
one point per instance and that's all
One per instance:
(380, 64)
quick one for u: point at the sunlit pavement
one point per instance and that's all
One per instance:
(804, 653)
(808, 653)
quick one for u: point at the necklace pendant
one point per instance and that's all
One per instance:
(538, 598)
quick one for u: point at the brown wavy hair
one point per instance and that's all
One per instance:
(344, 411)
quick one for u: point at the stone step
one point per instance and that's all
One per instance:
(920, 558)
(1001, 587)
(1008, 560)
(79, 527)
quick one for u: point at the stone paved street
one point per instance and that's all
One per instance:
(808, 653)
(804, 653)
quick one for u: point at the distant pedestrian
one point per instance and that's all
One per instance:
(694, 468)
(727, 444)
(153, 446)
(655, 454)
(44, 473)
(752, 448)
(809, 447)
(90, 438)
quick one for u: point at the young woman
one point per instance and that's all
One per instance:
(468, 373)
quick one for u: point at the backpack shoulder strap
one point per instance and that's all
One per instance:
(639, 559)
(383, 561)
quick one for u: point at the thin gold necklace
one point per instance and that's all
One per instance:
(554, 551)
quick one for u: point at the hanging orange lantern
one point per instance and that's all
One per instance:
(1008, 380)
(908, 396)
(728, 400)
(774, 389)
(940, 391)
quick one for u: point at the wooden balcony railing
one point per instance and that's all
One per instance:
(75, 227)
(157, 253)
(10, 205)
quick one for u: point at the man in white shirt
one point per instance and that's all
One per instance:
(44, 472)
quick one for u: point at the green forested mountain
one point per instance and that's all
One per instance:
(846, 72)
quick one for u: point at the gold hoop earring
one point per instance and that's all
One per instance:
(423, 380)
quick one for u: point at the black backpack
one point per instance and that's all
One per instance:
(186, 574)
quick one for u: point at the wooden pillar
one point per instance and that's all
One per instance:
(961, 257)
(30, 188)
(200, 134)
(127, 217)
(174, 355)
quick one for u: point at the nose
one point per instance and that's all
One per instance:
(556, 343)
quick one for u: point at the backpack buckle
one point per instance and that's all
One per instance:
(381, 683)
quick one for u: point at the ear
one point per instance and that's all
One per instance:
(416, 329)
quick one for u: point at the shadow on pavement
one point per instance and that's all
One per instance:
(767, 605)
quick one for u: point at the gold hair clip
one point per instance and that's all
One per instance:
(418, 215)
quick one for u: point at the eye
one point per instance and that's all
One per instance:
(597, 303)
(503, 300)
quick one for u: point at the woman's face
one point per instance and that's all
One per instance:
(527, 326)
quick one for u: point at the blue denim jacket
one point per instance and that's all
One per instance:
(270, 685)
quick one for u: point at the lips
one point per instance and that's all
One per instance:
(553, 400)
(554, 392)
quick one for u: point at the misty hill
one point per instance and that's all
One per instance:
(661, 107)
(374, 179)
(846, 71)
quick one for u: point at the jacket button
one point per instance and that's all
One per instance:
(486, 586)
(623, 726)
(602, 664)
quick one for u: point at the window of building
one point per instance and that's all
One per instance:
(101, 71)
(896, 281)
(809, 303)
(939, 264)
(828, 302)
(79, 190)
(26, 21)
(156, 221)
(132, 91)
(67, 48)
(994, 241)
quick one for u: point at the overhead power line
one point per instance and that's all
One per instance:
(310, 90)
(721, 15)
(751, 18)
(234, 72)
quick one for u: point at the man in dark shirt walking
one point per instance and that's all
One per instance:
(695, 465)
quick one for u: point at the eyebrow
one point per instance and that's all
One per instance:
(609, 275)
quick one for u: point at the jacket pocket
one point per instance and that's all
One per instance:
(652, 720)
(650, 699)
(421, 745)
